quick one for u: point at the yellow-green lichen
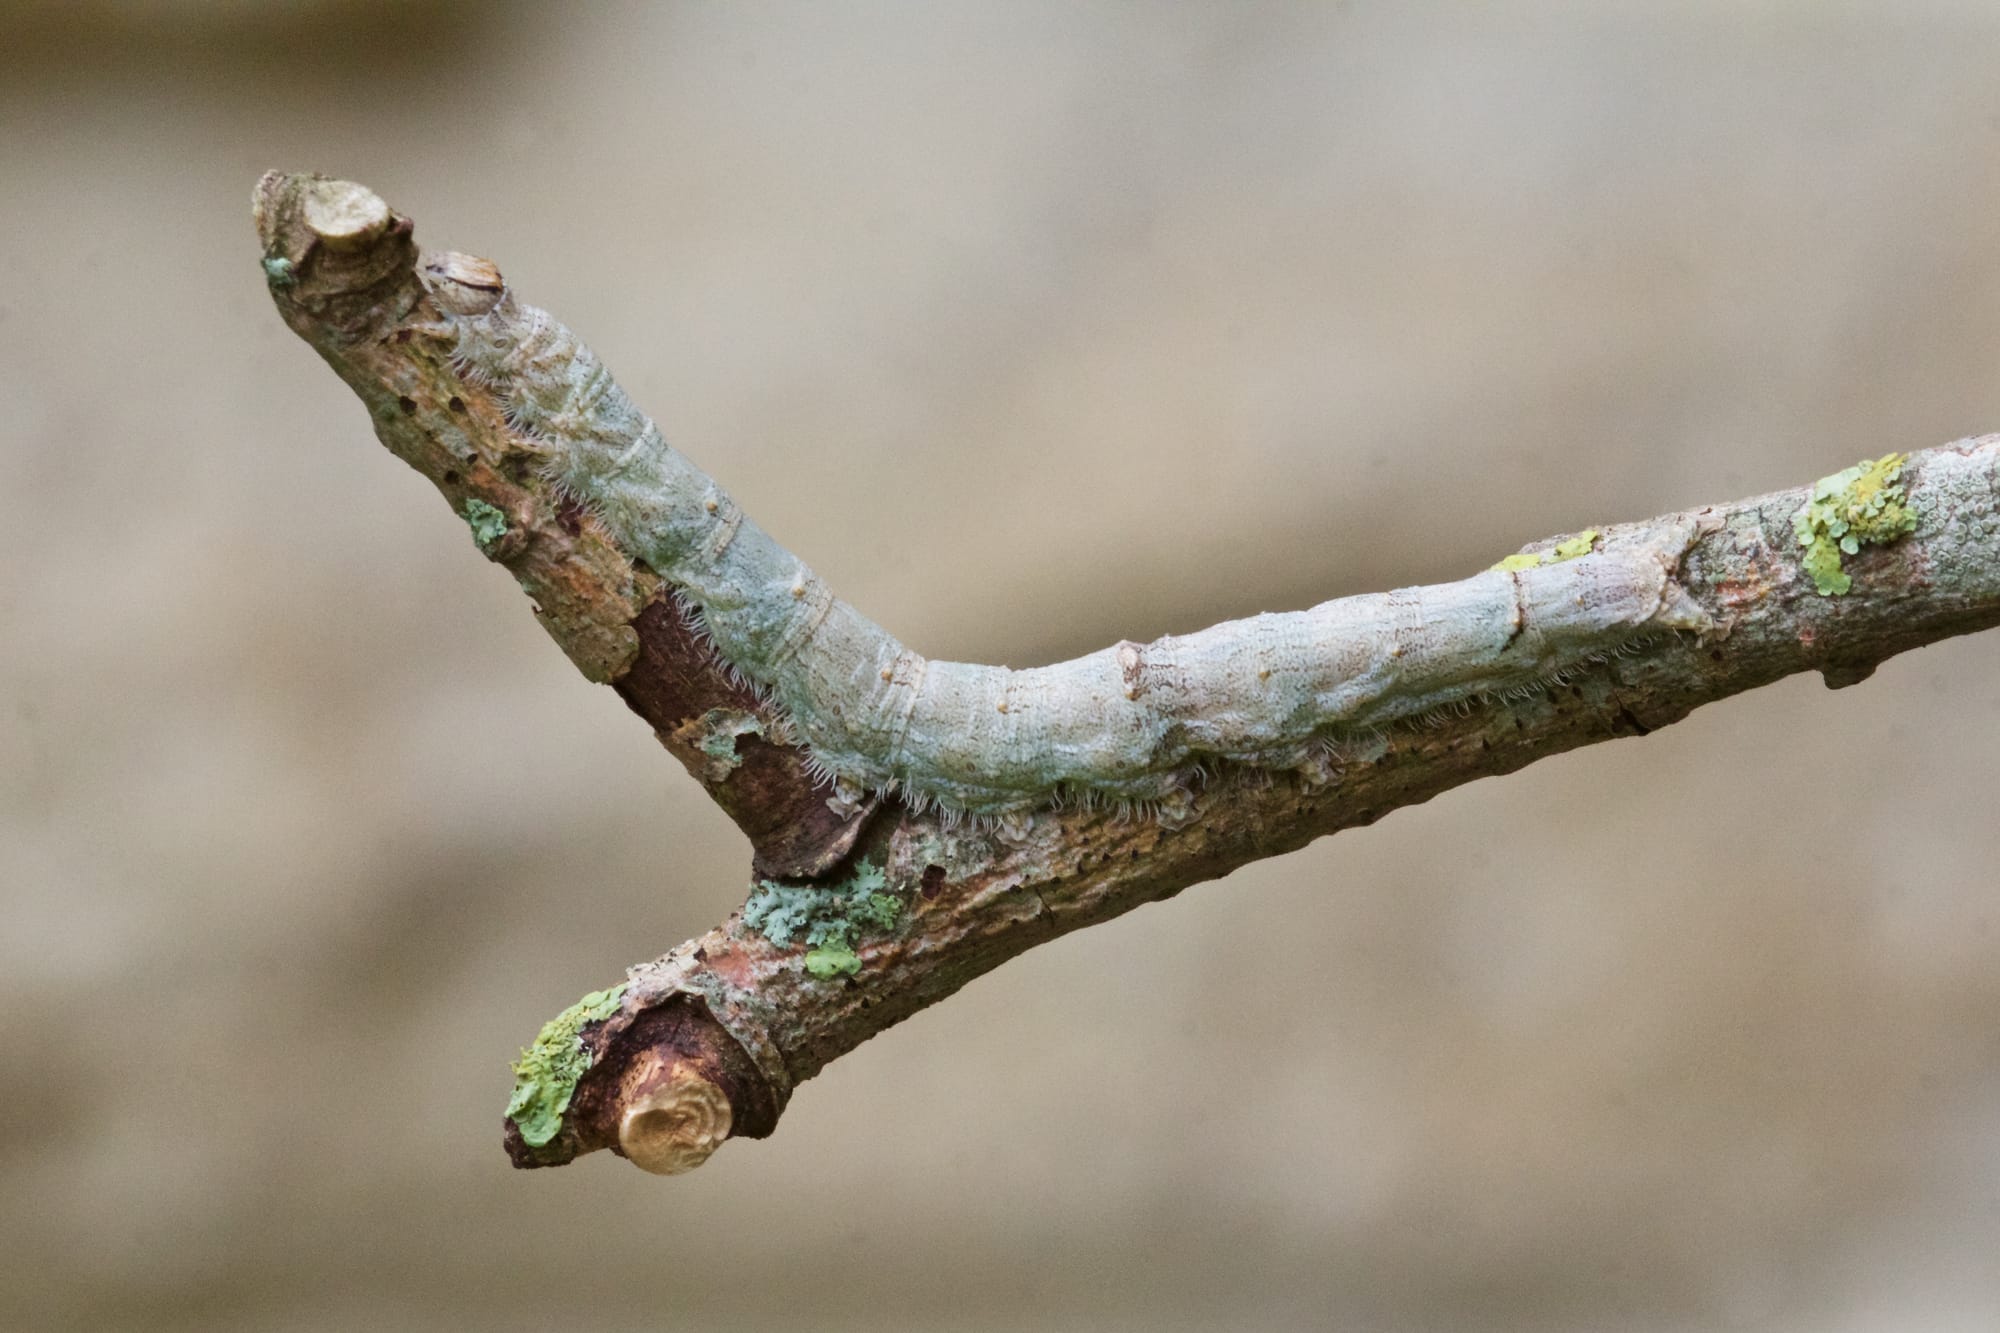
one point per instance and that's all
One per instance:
(836, 960)
(832, 918)
(488, 523)
(1861, 506)
(545, 1076)
(1580, 545)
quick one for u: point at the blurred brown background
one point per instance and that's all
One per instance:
(1032, 326)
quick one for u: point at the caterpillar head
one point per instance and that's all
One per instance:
(461, 285)
(473, 298)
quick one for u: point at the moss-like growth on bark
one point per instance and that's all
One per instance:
(545, 1076)
(1860, 506)
(488, 523)
(831, 918)
(1580, 545)
(833, 961)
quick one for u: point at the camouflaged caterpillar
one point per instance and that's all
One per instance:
(1133, 724)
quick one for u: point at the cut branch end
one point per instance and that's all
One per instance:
(672, 1124)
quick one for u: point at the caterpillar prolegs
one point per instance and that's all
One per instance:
(1128, 724)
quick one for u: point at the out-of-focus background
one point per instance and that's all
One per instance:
(1032, 326)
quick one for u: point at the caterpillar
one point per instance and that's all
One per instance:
(1133, 724)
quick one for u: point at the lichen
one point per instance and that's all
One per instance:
(545, 1076)
(831, 918)
(836, 960)
(488, 523)
(715, 734)
(1860, 506)
(278, 271)
(1580, 545)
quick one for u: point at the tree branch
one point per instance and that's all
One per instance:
(906, 906)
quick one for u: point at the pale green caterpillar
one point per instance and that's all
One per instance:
(1131, 724)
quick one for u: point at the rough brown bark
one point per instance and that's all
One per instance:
(744, 1015)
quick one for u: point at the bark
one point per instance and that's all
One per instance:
(708, 1041)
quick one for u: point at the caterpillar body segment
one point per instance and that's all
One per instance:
(1129, 724)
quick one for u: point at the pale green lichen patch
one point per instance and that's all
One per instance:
(1580, 545)
(715, 733)
(488, 523)
(835, 960)
(831, 918)
(720, 740)
(278, 271)
(545, 1076)
(1861, 506)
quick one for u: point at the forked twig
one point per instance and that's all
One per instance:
(915, 824)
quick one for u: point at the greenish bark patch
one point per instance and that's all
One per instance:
(488, 523)
(833, 961)
(1580, 545)
(1860, 506)
(832, 918)
(715, 733)
(545, 1076)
